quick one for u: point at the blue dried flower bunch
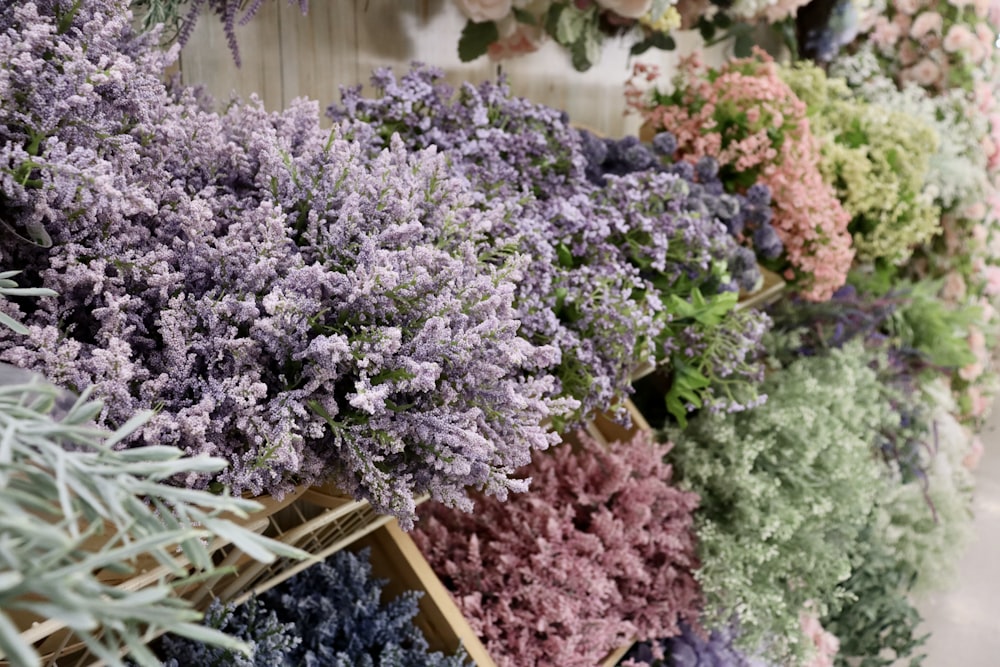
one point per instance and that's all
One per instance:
(330, 615)
(288, 300)
(608, 258)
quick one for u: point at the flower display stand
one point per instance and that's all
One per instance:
(394, 556)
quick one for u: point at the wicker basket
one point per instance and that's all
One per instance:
(318, 520)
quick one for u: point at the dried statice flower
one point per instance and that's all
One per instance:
(337, 609)
(289, 301)
(330, 615)
(598, 552)
(578, 292)
(270, 640)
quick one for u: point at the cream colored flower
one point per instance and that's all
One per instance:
(481, 11)
(632, 9)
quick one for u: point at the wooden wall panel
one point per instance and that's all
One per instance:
(287, 55)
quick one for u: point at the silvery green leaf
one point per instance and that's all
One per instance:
(13, 647)
(209, 636)
(9, 580)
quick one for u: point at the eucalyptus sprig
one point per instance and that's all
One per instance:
(73, 509)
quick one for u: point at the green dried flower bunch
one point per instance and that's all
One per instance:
(786, 490)
(64, 488)
(878, 160)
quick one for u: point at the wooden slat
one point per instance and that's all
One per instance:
(395, 557)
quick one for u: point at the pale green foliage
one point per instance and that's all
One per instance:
(878, 159)
(785, 490)
(72, 507)
(927, 523)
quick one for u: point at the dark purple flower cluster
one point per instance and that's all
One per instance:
(746, 217)
(330, 615)
(287, 300)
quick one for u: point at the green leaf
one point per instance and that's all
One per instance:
(706, 28)
(524, 16)
(743, 45)
(476, 39)
(570, 25)
(565, 256)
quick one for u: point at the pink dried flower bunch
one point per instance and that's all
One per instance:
(748, 119)
(599, 552)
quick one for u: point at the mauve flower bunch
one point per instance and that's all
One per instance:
(71, 63)
(290, 303)
(599, 551)
(937, 44)
(750, 121)
(887, 195)
(579, 293)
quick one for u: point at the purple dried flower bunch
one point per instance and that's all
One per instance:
(600, 551)
(286, 299)
(608, 255)
(577, 293)
(747, 217)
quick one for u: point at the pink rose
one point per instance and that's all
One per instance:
(908, 7)
(481, 11)
(974, 455)
(971, 372)
(516, 39)
(908, 54)
(979, 233)
(926, 72)
(632, 9)
(886, 34)
(975, 211)
(977, 343)
(959, 38)
(903, 22)
(982, 8)
(926, 23)
(992, 280)
(987, 38)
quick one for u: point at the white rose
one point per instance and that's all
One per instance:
(481, 11)
(631, 9)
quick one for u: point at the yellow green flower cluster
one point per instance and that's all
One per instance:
(878, 159)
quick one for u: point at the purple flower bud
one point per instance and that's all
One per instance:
(665, 143)
(759, 195)
(767, 243)
(707, 168)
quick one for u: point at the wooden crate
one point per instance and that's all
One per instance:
(395, 557)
